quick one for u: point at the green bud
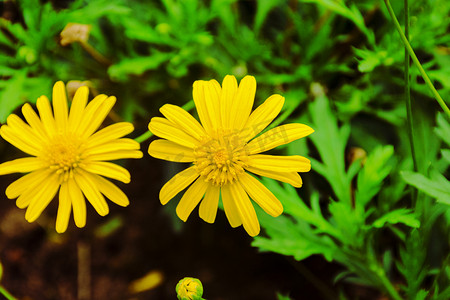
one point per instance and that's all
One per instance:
(189, 288)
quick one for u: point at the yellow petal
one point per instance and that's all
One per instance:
(90, 190)
(60, 109)
(26, 182)
(243, 104)
(98, 116)
(112, 146)
(229, 206)
(108, 169)
(42, 197)
(89, 114)
(78, 203)
(34, 121)
(183, 120)
(23, 130)
(262, 116)
(245, 209)
(116, 155)
(212, 94)
(21, 165)
(64, 209)
(227, 97)
(178, 183)
(46, 115)
(170, 151)
(261, 195)
(289, 177)
(110, 133)
(278, 136)
(169, 131)
(18, 140)
(191, 198)
(278, 163)
(77, 108)
(200, 101)
(208, 206)
(111, 191)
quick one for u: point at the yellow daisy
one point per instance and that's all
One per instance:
(223, 148)
(68, 155)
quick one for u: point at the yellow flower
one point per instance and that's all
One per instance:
(223, 148)
(68, 155)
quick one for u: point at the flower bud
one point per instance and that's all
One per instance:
(189, 288)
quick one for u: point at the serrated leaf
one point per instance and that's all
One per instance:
(437, 187)
(370, 178)
(402, 215)
(137, 65)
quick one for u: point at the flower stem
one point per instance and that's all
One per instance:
(416, 60)
(146, 135)
(408, 90)
(5, 293)
(388, 285)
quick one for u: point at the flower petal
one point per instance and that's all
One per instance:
(21, 165)
(289, 177)
(26, 182)
(205, 103)
(227, 97)
(169, 131)
(90, 190)
(18, 139)
(111, 191)
(229, 206)
(191, 198)
(110, 133)
(34, 121)
(278, 163)
(243, 104)
(46, 115)
(108, 169)
(42, 197)
(261, 195)
(64, 209)
(262, 116)
(209, 205)
(245, 209)
(183, 120)
(60, 109)
(167, 150)
(278, 136)
(112, 146)
(121, 154)
(77, 108)
(78, 203)
(177, 183)
(89, 114)
(98, 116)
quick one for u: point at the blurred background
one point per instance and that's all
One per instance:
(148, 53)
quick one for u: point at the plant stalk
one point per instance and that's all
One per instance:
(5, 293)
(416, 60)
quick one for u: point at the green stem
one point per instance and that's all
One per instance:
(5, 293)
(408, 91)
(388, 285)
(416, 60)
(146, 135)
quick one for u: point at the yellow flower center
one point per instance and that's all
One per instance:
(63, 154)
(220, 159)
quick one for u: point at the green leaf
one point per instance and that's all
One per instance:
(370, 178)
(330, 141)
(137, 66)
(412, 264)
(401, 215)
(437, 187)
(283, 297)
(443, 128)
(349, 221)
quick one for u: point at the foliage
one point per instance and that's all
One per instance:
(339, 65)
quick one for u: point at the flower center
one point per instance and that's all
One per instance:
(63, 154)
(222, 158)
